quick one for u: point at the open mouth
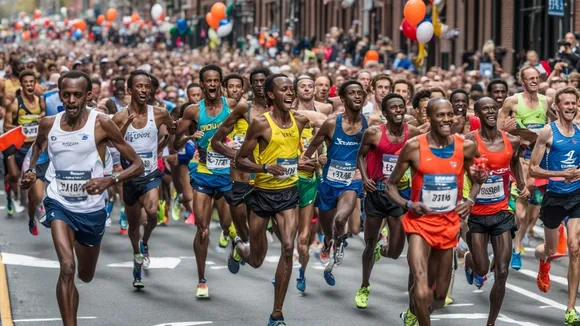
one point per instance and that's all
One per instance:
(446, 128)
(288, 100)
(491, 119)
(212, 92)
(143, 97)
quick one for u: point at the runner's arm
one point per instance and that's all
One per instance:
(550, 113)
(11, 111)
(535, 171)
(41, 142)
(114, 136)
(243, 161)
(167, 120)
(505, 112)
(414, 131)
(218, 140)
(320, 136)
(515, 164)
(403, 163)
(368, 141)
(189, 117)
(470, 153)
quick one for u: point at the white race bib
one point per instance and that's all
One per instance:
(535, 127)
(147, 159)
(306, 142)
(239, 139)
(341, 172)
(216, 161)
(30, 129)
(439, 192)
(492, 191)
(291, 166)
(389, 162)
(71, 184)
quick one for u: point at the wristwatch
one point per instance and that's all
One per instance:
(408, 204)
(115, 177)
(31, 170)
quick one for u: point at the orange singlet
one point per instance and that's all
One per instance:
(437, 183)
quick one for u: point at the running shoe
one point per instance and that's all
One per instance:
(108, 222)
(516, 260)
(160, 212)
(233, 232)
(190, 219)
(145, 252)
(137, 267)
(224, 240)
(468, 275)
(301, 281)
(328, 277)
(325, 251)
(109, 207)
(448, 300)
(339, 252)
(479, 281)
(123, 221)
(10, 208)
(276, 322)
(572, 318)
(32, 227)
(409, 319)
(378, 248)
(202, 290)
(543, 278)
(362, 297)
(18, 208)
(176, 208)
(234, 259)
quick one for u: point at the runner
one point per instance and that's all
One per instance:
(490, 218)
(338, 192)
(75, 202)
(437, 160)
(419, 102)
(140, 124)
(234, 86)
(497, 89)
(562, 141)
(377, 157)
(194, 93)
(277, 135)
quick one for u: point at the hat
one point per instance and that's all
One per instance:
(104, 60)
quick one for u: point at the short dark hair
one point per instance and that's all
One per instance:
(342, 89)
(389, 97)
(435, 90)
(269, 85)
(406, 82)
(432, 102)
(76, 74)
(192, 85)
(117, 79)
(424, 93)
(154, 83)
(495, 82)
(232, 76)
(476, 88)
(136, 73)
(458, 91)
(380, 77)
(259, 70)
(95, 81)
(25, 73)
(209, 67)
(300, 78)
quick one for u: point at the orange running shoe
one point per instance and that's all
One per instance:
(543, 279)
(190, 219)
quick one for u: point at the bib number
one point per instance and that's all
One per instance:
(30, 129)
(216, 161)
(71, 184)
(389, 162)
(147, 159)
(290, 165)
(492, 191)
(439, 192)
(341, 172)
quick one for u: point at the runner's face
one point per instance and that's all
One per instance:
(194, 95)
(422, 110)
(119, 89)
(354, 98)
(459, 102)
(382, 88)
(305, 91)
(498, 93)
(567, 108)
(28, 84)
(283, 94)
(258, 85)
(531, 80)
(211, 84)
(74, 94)
(403, 90)
(487, 112)
(364, 79)
(442, 118)
(235, 89)
(395, 111)
(322, 86)
(141, 89)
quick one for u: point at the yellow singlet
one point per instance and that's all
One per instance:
(305, 140)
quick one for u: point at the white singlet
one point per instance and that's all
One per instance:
(144, 141)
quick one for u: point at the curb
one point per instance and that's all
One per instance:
(5, 310)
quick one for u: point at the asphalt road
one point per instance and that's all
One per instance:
(245, 298)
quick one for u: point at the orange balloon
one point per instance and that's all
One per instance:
(212, 21)
(111, 14)
(135, 17)
(19, 25)
(218, 10)
(108, 25)
(26, 35)
(100, 19)
(80, 24)
(372, 55)
(36, 14)
(414, 11)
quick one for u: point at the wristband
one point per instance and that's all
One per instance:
(265, 168)
(471, 200)
(31, 170)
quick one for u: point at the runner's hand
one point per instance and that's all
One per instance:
(464, 208)
(572, 174)
(198, 134)
(322, 159)
(97, 186)
(369, 185)
(307, 165)
(524, 193)
(510, 124)
(479, 174)
(233, 145)
(275, 169)
(172, 160)
(28, 179)
(419, 209)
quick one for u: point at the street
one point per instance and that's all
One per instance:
(246, 298)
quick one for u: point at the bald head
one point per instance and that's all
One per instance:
(435, 103)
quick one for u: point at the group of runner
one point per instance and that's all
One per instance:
(419, 166)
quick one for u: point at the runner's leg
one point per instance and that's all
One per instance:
(502, 247)
(421, 293)
(67, 295)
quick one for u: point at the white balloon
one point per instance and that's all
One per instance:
(26, 20)
(156, 11)
(126, 19)
(437, 2)
(424, 32)
(225, 30)
(63, 11)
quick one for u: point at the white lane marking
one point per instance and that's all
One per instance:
(536, 297)
(553, 278)
(45, 319)
(209, 262)
(23, 260)
(2, 192)
(156, 262)
(186, 257)
(186, 323)
(481, 316)
(539, 231)
(477, 291)
(219, 267)
(318, 267)
(460, 305)
(2, 207)
(272, 259)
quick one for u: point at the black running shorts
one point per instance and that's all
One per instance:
(238, 194)
(378, 205)
(266, 203)
(493, 225)
(556, 207)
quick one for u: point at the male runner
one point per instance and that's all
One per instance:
(212, 178)
(140, 123)
(562, 141)
(404, 88)
(194, 93)
(116, 102)
(437, 160)
(338, 192)
(497, 89)
(75, 203)
(277, 135)
(377, 157)
(419, 102)
(234, 86)
(490, 218)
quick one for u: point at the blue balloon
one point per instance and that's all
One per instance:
(224, 21)
(77, 34)
(181, 25)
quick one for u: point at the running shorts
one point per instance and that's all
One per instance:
(440, 232)
(186, 154)
(89, 227)
(19, 154)
(134, 189)
(555, 207)
(307, 190)
(327, 197)
(266, 203)
(378, 205)
(238, 194)
(213, 185)
(494, 225)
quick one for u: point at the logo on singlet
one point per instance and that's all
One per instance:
(570, 160)
(53, 138)
(133, 136)
(341, 142)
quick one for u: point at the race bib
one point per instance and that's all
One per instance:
(306, 142)
(216, 161)
(535, 127)
(439, 192)
(147, 159)
(389, 162)
(291, 166)
(30, 129)
(239, 139)
(492, 191)
(341, 172)
(71, 184)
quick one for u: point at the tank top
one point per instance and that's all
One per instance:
(382, 159)
(74, 160)
(241, 127)
(340, 166)
(437, 181)
(563, 154)
(282, 150)
(305, 140)
(144, 142)
(210, 161)
(27, 118)
(10, 86)
(368, 109)
(495, 192)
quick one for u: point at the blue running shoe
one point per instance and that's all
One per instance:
(123, 220)
(516, 260)
(109, 207)
(137, 266)
(10, 208)
(274, 281)
(468, 275)
(329, 278)
(234, 259)
(478, 280)
(276, 322)
(301, 281)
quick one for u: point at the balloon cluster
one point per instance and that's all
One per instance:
(414, 26)
(219, 21)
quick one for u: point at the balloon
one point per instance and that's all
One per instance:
(111, 14)
(80, 24)
(218, 10)
(135, 17)
(212, 21)
(409, 30)
(224, 21)
(47, 22)
(212, 35)
(100, 19)
(77, 34)
(36, 14)
(63, 11)
(372, 55)
(437, 2)
(66, 21)
(18, 25)
(181, 25)
(424, 32)
(414, 11)
(156, 11)
(230, 9)
(173, 31)
(26, 35)
(225, 30)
